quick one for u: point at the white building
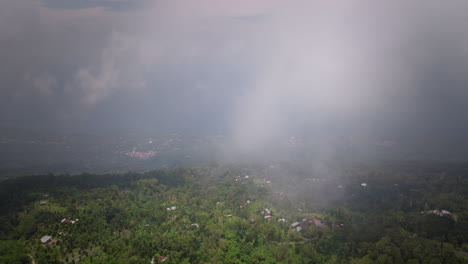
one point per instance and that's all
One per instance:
(45, 239)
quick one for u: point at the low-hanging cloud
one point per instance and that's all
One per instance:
(355, 69)
(260, 71)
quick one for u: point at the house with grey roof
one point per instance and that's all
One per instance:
(46, 239)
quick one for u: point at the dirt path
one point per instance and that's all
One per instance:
(33, 261)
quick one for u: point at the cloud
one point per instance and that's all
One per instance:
(96, 87)
(352, 69)
(111, 5)
(46, 84)
(260, 71)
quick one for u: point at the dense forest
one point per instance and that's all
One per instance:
(385, 212)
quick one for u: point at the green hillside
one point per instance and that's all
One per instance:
(239, 214)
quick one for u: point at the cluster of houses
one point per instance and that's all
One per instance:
(315, 221)
(240, 178)
(172, 208)
(267, 214)
(439, 212)
(306, 221)
(141, 155)
(69, 220)
(47, 239)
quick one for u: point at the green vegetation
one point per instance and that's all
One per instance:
(218, 215)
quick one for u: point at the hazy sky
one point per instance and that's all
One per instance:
(254, 69)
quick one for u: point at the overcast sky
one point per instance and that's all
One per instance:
(257, 70)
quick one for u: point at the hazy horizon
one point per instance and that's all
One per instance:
(360, 73)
